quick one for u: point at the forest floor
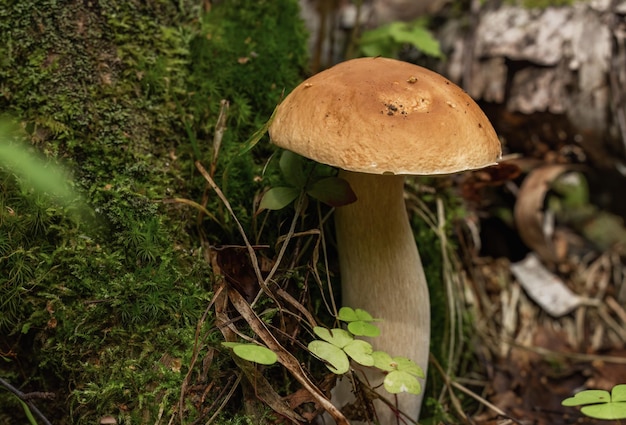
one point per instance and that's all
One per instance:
(547, 292)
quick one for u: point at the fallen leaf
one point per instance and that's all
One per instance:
(544, 287)
(530, 217)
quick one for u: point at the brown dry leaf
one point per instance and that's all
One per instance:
(264, 391)
(262, 388)
(285, 358)
(495, 175)
(529, 210)
(234, 263)
(299, 397)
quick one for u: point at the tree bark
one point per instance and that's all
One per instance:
(569, 62)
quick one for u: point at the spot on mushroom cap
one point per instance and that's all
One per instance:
(378, 115)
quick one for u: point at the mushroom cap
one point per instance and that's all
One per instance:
(384, 116)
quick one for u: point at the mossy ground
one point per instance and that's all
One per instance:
(101, 308)
(100, 300)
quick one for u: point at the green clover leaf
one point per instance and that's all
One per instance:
(336, 359)
(600, 404)
(359, 322)
(403, 374)
(337, 346)
(398, 381)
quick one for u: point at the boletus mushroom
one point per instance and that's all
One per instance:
(378, 120)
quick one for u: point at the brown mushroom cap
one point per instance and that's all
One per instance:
(378, 116)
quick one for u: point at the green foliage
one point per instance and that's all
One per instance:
(600, 404)
(45, 178)
(359, 322)
(303, 176)
(240, 55)
(28, 413)
(388, 40)
(402, 373)
(253, 352)
(250, 53)
(338, 346)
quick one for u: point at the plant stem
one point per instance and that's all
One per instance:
(26, 404)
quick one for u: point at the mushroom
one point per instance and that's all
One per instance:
(378, 120)
(108, 420)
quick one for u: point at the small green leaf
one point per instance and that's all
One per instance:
(377, 42)
(278, 198)
(27, 412)
(253, 352)
(257, 135)
(363, 315)
(337, 337)
(358, 322)
(607, 411)
(333, 191)
(376, 35)
(406, 365)
(383, 361)
(292, 166)
(386, 40)
(572, 189)
(256, 353)
(416, 35)
(41, 174)
(599, 404)
(398, 381)
(360, 328)
(588, 397)
(618, 393)
(360, 351)
(337, 360)
(386, 363)
(384, 49)
(347, 314)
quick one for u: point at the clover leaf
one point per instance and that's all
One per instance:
(336, 359)
(359, 322)
(600, 404)
(337, 347)
(403, 374)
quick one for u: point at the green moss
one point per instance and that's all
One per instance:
(101, 309)
(239, 55)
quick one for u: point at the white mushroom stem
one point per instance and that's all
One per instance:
(381, 272)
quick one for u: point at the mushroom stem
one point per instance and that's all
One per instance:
(381, 272)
